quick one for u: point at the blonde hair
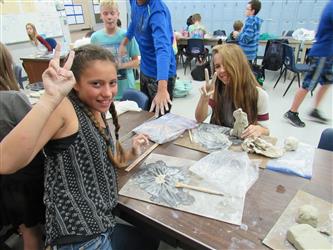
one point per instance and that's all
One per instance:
(242, 89)
(238, 25)
(32, 37)
(7, 76)
(196, 17)
(110, 4)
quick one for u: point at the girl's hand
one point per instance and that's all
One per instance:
(209, 87)
(252, 131)
(139, 143)
(58, 81)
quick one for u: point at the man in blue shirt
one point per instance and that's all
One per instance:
(248, 39)
(151, 26)
(321, 70)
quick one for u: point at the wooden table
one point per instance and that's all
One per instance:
(207, 41)
(34, 66)
(264, 203)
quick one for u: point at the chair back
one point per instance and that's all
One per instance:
(219, 33)
(18, 75)
(52, 42)
(137, 96)
(287, 33)
(326, 139)
(289, 57)
(195, 47)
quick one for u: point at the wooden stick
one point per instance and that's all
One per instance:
(200, 189)
(141, 157)
(190, 135)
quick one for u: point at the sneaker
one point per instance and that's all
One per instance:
(293, 119)
(317, 117)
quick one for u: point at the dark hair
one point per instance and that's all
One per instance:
(83, 57)
(255, 5)
(118, 23)
(189, 21)
(89, 34)
(87, 53)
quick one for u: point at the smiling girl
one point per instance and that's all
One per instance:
(233, 86)
(80, 176)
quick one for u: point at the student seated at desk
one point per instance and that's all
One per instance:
(38, 41)
(233, 86)
(21, 193)
(81, 189)
(197, 30)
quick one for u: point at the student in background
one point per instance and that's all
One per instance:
(321, 70)
(110, 37)
(21, 193)
(238, 25)
(151, 26)
(38, 41)
(235, 87)
(248, 39)
(196, 30)
(81, 157)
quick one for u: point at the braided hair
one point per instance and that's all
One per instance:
(83, 57)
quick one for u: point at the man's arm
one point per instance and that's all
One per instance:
(162, 44)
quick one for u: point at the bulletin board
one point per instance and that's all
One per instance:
(16, 14)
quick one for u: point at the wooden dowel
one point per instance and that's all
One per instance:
(200, 189)
(190, 135)
(141, 157)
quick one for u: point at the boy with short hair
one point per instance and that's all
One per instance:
(248, 39)
(238, 25)
(110, 37)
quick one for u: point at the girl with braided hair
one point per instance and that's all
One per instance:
(80, 176)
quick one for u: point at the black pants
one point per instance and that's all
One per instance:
(148, 85)
(126, 237)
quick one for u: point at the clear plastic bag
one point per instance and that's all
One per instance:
(297, 162)
(166, 128)
(231, 173)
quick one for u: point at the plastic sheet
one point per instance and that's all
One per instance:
(212, 137)
(166, 128)
(231, 173)
(297, 162)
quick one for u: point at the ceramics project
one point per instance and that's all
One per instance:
(308, 214)
(303, 236)
(260, 146)
(240, 124)
(167, 181)
(211, 137)
(291, 143)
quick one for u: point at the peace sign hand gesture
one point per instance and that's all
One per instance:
(58, 81)
(209, 87)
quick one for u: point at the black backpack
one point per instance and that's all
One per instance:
(198, 73)
(273, 57)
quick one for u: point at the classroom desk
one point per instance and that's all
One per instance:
(207, 41)
(34, 66)
(296, 44)
(265, 202)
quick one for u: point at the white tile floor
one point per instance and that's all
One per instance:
(278, 126)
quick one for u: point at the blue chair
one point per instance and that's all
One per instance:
(326, 139)
(135, 95)
(18, 75)
(195, 49)
(290, 64)
(52, 42)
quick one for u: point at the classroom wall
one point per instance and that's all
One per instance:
(277, 15)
